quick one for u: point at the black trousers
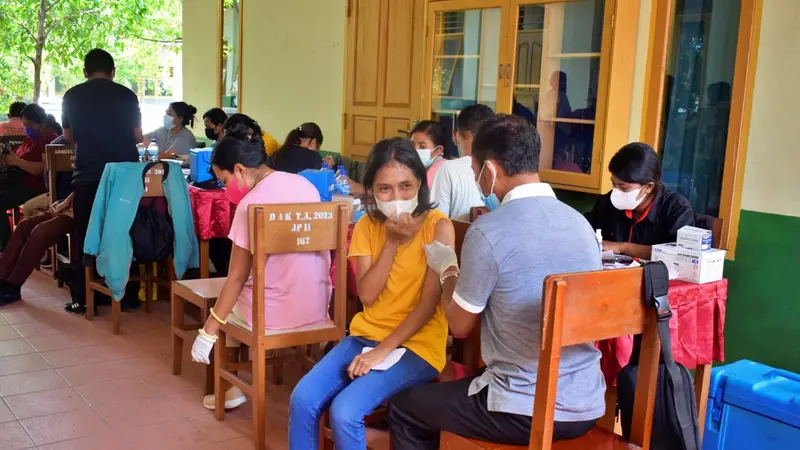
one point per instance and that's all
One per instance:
(418, 415)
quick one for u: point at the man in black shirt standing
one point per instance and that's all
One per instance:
(104, 121)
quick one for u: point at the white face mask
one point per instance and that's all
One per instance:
(395, 208)
(626, 201)
(168, 122)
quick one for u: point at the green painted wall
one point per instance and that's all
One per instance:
(763, 314)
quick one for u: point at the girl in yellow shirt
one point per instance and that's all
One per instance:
(402, 315)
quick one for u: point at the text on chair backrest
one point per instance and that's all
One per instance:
(298, 227)
(59, 158)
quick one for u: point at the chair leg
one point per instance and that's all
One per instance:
(259, 397)
(220, 362)
(116, 315)
(148, 287)
(277, 369)
(702, 380)
(89, 292)
(177, 333)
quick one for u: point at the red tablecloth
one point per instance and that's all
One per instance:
(212, 211)
(696, 328)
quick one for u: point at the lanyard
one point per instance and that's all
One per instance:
(641, 218)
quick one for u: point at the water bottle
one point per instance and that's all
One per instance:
(152, 151)
(142, 152)
(336, 176)
(342, 184)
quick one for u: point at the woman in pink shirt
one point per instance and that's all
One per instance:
(429, 138)
(297, 286)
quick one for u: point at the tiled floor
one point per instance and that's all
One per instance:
(67, 383)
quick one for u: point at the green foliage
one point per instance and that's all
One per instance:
(63, 31)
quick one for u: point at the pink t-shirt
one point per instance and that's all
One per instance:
(432, 171)
(297, 286)
(13, 127)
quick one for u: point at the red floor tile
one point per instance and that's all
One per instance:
(30, 362)
(125, 390)
(23, 383)
(76, 356)
(14, 437)
(99, 442)
(13, 347)
(5, 413)
(8, 332)
(97, 372)
(38, 404)
(64, 426)
(175, 435)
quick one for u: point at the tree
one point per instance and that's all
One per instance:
(61, 32)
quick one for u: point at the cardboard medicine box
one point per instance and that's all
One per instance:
(694, 238)
(694, 266)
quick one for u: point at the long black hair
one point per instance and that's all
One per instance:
(184, 111)
(403, 152)
(308, 130)
(37, 115)
(238, 148)
(637, 163)
(216, 116)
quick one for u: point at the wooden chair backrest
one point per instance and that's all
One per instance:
(154, 181)
(299, 228)
(714, 224)
(587, 307)
(470, 345)
(12, 140)
(57, 159)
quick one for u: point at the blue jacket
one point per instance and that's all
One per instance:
(114, 209)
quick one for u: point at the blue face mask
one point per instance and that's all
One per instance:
(491, 201)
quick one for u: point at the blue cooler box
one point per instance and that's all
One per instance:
(322, 180)
(752, 406)
(200, 164)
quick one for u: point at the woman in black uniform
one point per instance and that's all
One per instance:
(639, 212)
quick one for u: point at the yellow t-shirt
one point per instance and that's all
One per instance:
(271, 145)
(402, 291)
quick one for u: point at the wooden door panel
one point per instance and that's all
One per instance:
(367, 52)
(383, 71)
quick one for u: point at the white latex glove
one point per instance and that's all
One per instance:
(440, 257)
(201, 349)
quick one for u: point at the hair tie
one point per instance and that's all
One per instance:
(300, 128)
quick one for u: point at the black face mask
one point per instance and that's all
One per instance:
(211, 134)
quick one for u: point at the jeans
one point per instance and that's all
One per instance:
(328, 384)
(418, 415)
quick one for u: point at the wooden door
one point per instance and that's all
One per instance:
(385, 45)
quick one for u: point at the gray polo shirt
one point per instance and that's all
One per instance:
(181, 142)
(505, 258)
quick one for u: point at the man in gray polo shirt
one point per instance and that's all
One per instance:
(505, 258)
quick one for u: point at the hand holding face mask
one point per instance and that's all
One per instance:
(403, 229)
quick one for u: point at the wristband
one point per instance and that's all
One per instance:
(448, 274)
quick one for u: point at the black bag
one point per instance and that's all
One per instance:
(675, 425)
(152, 233)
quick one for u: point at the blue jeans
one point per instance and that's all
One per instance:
(327, 384)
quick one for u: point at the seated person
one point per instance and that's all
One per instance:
(214, 119)
(240, 164)
(24, 181)
(300, 150)
(429, 139)
(28, 245)
(42, 203)
(453, 189)
(13, 126)
(639, 212)
(270, 144)
(501, 285)
(174, 140)
(400, 296)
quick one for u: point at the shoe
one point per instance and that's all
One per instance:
(46, 261)
(75, 308)
(9, 293)
(234, 397)
(128, 306)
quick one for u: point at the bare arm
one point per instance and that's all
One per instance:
(371, 278)
(32, 167)
(630, 249)
(240, 267)
(68, 135)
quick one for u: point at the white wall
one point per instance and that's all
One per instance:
(771, 180)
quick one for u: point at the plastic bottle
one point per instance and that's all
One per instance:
(342, 184)
(152, 151)
(142, 152)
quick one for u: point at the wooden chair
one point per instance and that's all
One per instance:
(202, 293)
(59, 159)
(477, 211)
(154, 188)
(586, 307)
(12, 142)
(282, 229)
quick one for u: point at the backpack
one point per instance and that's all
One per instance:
(675, 425)
(152, 233)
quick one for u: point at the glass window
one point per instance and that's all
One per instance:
(230, 55)
(697, 99)
(556, 79)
